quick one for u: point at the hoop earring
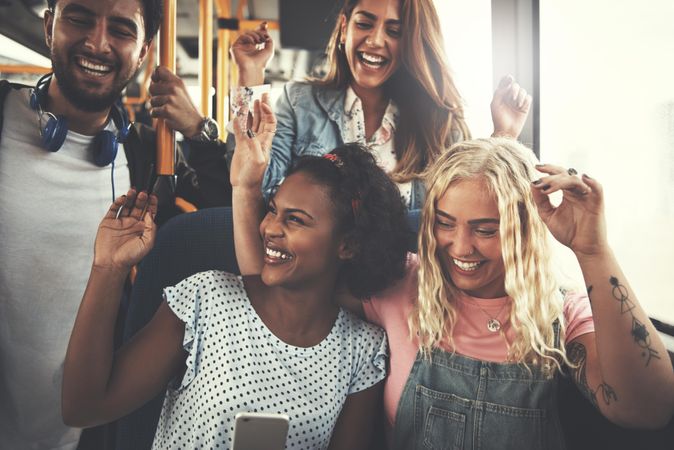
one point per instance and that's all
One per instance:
(340, 46)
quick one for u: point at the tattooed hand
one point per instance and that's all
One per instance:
(578, 222)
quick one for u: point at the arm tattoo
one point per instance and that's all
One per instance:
(578, 356)
(620, 293)
(639, 330)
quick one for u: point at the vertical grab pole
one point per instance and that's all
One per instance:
(224, 12)
(234, 34)
(206, 54)
(167, 58)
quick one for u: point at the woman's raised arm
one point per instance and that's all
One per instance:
(98, 385)
(509, 108)
(249, 163)
(623, 368)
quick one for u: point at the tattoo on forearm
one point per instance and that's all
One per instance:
(639, 331)
(643, 339)
(620, 293)
(578, 356)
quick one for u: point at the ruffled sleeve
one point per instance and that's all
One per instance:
(370, 367)
(189, 300)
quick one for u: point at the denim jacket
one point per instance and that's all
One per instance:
(309, 122)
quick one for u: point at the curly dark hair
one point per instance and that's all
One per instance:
(369, 211)
(153, 12)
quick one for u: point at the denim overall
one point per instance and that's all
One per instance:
(459, 403)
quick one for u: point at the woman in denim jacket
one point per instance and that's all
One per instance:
(387, 86)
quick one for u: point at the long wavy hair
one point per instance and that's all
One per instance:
(431, 109)
(507, 169)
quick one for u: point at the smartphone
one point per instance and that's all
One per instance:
(260, 431)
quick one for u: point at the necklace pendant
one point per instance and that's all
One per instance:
(493, 325)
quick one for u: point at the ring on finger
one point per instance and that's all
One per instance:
(250, 133)
(571, 171)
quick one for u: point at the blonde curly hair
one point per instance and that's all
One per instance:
(507, 168)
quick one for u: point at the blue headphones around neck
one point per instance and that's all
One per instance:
(55, 131)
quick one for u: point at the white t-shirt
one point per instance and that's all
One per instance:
(50, 208)
(236, 364)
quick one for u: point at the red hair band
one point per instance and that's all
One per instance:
(336, 160)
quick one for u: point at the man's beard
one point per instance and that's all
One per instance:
(81, 98)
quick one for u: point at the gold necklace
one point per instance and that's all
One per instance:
(493, 324)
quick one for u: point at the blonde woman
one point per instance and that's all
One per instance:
(388, 86)
(479, 330)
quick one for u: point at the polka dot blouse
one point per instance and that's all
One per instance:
(236, 364)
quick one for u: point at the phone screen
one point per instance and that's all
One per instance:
(256, 431)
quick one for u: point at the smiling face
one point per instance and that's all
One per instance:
(371, 40)
(468, 242)
(96, 48)
(299, 232)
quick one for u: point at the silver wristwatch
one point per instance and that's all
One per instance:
(208, 132)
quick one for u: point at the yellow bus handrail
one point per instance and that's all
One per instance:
(167, 58)
(206, 54)
(23, 68)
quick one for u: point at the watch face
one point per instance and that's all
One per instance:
(211, 129)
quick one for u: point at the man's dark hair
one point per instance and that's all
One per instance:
(153, 12)
(369, 210)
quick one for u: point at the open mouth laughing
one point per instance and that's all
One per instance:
(371, 60)
(93, 68)
(274, 255)
(467, 266)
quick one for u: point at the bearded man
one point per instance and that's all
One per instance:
(59, 170)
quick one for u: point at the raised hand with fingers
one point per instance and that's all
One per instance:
(578, 221)
(126, 233)
(251, 52)
(253, 145)
(171, 101)
(509, 108)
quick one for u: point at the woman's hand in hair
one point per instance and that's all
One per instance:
(251, 52)
(253, 145)
(509, 108)
(578, 221)
(126, 233)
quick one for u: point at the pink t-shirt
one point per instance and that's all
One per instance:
(391, 308)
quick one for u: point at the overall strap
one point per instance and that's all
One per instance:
(557, 329)
(556, 325)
